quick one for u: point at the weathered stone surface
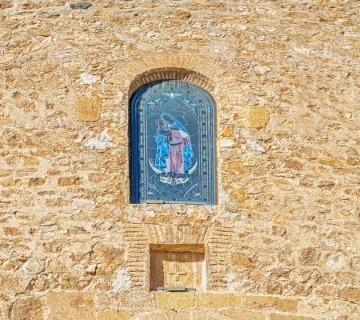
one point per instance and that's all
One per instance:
(31, 162)
(195, 315)
(36, 181)
(69, 181)
(33, 266)
(288, 317)
(264, 302)
(121, 280)
(27, 309)
(70, 306)
(14, 282)
(240, 260)
(227, 132)
(293, 164)
(113, 315)
(6, 4)
(216, 300)
(257, 117)
(233, 167)
(174, 300)
(239, 195)
(243, 315)
(152, 316)
(285, 82)
(309, 256)
(11, 231)
(351, 294)
(80, 5)
(130, 300)
(87, 108)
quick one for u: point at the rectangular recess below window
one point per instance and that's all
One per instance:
(177, 265)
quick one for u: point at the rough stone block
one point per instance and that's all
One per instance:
(5, 173)
(215, 300)
(329, 162)
(205, 315)
(274, 316)
(153, 316)
(351, 294)
(239, 195)
(14, 282)
(240, 260)
(80, 5)
(257, 117)
(70, 306)
(36, 182)
(227, 132)
(87, 108)
(195, 315)
(12, 231)
(174, 300)
(309, 256)
(293, 164)
(233, 166)
(264, 302)
(6, 4)
(113, 315)
(132, 300)
(69, 181)
(27, 309)
(31, 162)
(179, 315)
(243, 315)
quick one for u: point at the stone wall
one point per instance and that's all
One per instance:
(283, 241)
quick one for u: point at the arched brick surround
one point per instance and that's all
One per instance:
(171, 73)
(196, 69)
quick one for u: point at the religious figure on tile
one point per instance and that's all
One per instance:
(174, 151)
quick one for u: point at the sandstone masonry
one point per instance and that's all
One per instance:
(283, 241)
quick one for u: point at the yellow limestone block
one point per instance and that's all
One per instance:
(70, 306)
(174, 300)
(87, 108)
(113, 315)
(257, 117)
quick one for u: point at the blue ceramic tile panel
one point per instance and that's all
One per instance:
(172, 144)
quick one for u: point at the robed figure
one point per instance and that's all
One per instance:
(174, 152)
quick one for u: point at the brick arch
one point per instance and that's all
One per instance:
(171, 73)
(202, 70)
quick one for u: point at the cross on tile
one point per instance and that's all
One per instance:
(177, 274)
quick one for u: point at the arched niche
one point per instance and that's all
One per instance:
(172, 127)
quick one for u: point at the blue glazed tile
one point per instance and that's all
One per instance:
(172, 144)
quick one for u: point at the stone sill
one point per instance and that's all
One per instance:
(143, 305)
(214, 300)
